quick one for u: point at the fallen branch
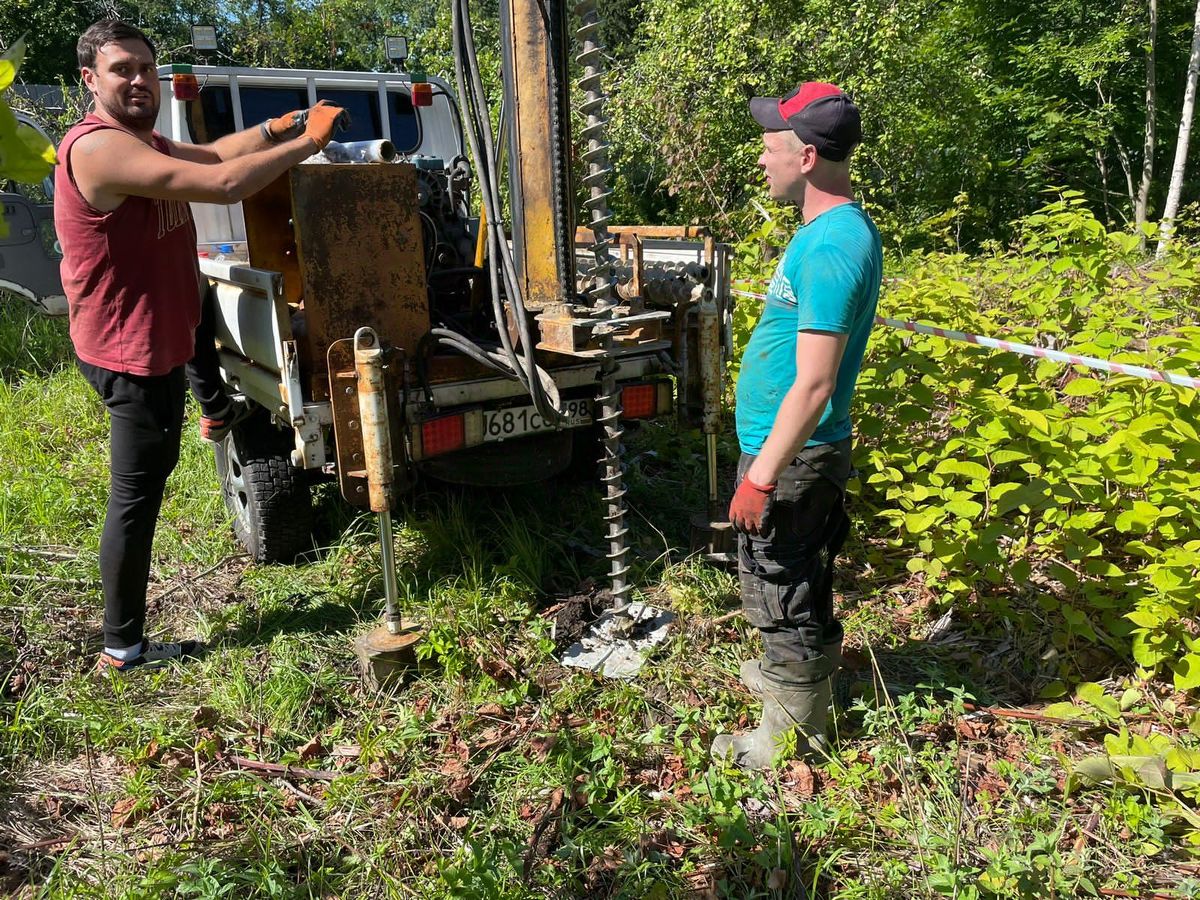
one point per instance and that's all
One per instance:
(252, 765)
(58, 554)
(312, 801)
(50, 579)
(1027, 716)
(49, 842)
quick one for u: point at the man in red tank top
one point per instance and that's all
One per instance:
(130, 275)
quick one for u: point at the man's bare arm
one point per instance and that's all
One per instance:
(818, 355)
(109, 165)
(232, 146)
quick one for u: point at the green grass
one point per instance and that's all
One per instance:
(497, 773)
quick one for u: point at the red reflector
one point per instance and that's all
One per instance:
(442, 435)
(639, 401)
(422, 94)
(184, 86)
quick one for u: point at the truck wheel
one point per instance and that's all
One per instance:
(268, 497)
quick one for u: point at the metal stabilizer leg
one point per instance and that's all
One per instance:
(388, 651)
(711, 533)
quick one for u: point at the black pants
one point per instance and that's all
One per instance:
(146, 416)
(787, 574)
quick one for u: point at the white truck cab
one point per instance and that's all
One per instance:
(380, 105)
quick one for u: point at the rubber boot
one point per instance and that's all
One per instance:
(795, 699)
(751, 670)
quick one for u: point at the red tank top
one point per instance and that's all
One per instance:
(130, 275)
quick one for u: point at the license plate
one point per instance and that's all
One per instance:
(501, 424)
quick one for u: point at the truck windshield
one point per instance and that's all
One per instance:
(211, 116)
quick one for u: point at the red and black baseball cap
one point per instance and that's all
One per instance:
(820, 114)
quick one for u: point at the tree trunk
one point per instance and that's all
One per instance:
(1123, 158)
(1102, 165)
(1143, 196)
(1167, 228)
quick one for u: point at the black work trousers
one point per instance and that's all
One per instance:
(786, 574)
(146, 422)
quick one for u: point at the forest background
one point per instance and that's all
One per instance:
(973, 109)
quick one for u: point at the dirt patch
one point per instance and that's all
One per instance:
(572, 615)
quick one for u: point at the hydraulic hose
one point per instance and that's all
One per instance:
(502, 267)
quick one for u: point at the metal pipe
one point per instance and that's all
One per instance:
(388, 558)
(360, 151)
(710, 452)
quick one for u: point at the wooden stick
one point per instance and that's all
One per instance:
(1027, 716)
(727, 617)
(49, 842)
(240, 762)
(50, 579)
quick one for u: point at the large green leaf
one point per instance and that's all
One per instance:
(1187, 672)
(10, 63)
(25, 155)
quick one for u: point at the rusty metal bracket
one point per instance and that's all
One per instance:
(581, 336)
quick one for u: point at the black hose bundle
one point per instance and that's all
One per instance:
(501, 265)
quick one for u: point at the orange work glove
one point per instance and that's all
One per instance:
(323, 120)
(751, 506)
(281, 128)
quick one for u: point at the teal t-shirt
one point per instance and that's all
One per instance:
(828, 280)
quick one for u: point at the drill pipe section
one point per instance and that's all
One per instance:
(381, 151)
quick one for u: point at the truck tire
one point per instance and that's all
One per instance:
(269, 498)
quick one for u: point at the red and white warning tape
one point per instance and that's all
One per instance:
(1090, 362)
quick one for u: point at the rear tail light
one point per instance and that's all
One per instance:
(184, 85)
(444, 434)
(422, 93)
(639, 401)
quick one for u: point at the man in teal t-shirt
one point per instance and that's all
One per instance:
(793, 418)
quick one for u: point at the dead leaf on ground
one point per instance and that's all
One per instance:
(541, 745)
(311, 749)
(459, 823)
(459, 788)
(802, 777)
(491, 709)
(131, 810)
(778, 880)
(498, 669)
(177, 759)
